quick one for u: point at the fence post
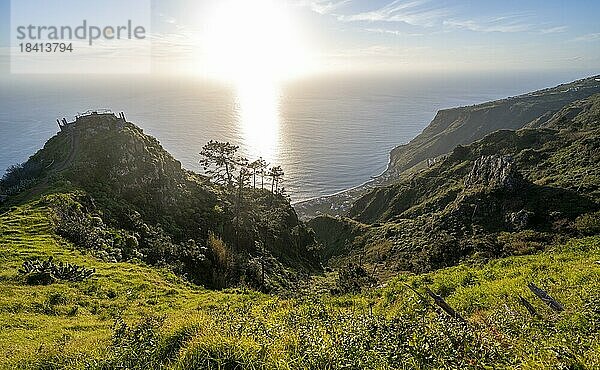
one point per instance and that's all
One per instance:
(445, 306)
(528, 306)
(551, 302)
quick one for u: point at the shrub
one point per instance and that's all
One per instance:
(20, 177)
(524, 242)
(353, 278)
(76, 222)
(588, 224)
(46, 272)
(133, 347)
(220, 258)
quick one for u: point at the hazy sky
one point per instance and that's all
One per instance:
(347, 35)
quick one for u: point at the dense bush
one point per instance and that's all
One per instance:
(19, 177)
(524, 242)
(352, 278)
(78, 220)
(133, 347)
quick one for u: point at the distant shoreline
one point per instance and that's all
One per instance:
(435, 141)
(372, 179)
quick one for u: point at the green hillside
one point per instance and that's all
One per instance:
(114, 256)
(513, 192)
(124, 197)
(134, 316)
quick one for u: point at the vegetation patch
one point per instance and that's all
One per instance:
(46, 272)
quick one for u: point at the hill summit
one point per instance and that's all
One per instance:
(116, 191)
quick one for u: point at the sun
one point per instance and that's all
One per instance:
(254, 40)
(256, 45)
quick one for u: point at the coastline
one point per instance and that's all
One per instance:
(451, 127)
(338, 203)
(372, 179)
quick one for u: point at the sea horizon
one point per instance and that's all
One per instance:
(329, 133)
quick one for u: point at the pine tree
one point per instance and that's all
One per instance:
(220, 161)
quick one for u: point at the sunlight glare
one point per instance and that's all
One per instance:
(256, 45)
(258, 110)
(254, 38)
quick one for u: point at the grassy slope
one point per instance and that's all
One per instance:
(79, 316)
(41, 326)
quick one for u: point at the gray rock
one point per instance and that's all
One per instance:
(494, 171)
(519, 220)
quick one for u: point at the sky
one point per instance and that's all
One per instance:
(325, 36)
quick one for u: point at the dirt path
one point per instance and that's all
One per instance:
(72, 150)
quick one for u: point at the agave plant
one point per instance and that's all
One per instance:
(46, 272)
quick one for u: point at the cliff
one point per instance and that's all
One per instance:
(464, 125)
(459, 126)
(511, 192)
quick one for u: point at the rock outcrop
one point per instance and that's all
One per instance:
(494, 172)
(519, 220)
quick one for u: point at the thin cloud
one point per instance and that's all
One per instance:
(417, 13)
(425, 13)
(551, 30)
(324, 6)
(503, 24)
(327, 7)
(587, 37)
(392, 32)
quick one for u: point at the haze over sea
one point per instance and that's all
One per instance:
(328, 133)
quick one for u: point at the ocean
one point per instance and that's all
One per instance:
(329, 133)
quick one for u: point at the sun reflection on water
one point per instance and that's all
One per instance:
(258, 105)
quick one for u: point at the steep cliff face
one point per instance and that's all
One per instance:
(465, 125)
(494, 172)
